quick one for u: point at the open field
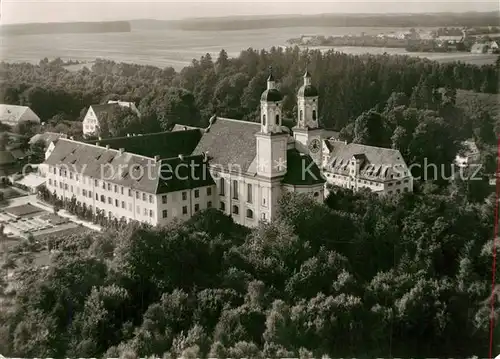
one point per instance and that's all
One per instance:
(177, 48)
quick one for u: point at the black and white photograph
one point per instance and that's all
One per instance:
(249, 179)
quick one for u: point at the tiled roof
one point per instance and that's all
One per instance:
(12, 113)
(298, 171)
(184, 173)
(377, 162)
(47, 137)
(330, 133)
(229, 142)
(163, 144)
(99, 162)
(99, 110)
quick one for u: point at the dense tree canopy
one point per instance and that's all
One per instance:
(360, 275)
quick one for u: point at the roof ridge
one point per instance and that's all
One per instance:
(104, 148)
(239, 121)
(382, 148)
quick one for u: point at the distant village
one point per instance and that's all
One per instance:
(473, 40)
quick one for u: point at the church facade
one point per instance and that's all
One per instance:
(241, 168)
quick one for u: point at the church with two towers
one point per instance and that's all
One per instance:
(242, 168)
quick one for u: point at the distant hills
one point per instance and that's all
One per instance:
(323, 20)
(65, 28)
(228, 23)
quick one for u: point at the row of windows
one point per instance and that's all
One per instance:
(236, 211)
(235, 191)
(137, 195)
(185, 209)
(121, 190)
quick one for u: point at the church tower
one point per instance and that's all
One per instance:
(307, 133)
(271, 140)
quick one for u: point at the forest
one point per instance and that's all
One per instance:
(358, 276)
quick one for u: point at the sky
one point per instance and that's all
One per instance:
(25, 11)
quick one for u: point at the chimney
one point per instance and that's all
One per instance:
(107, 147)
(122, 150)
(157, 158)
(97, 143)
(181, 157)
(185, 128)
(71, 138)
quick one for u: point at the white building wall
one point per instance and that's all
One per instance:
(121, 201)
(90, 123)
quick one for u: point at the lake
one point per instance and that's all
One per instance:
(177, 48)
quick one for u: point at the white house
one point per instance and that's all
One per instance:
(470, 154)
(241, 168)
(11, 115)
(95, 112)
(356, 166)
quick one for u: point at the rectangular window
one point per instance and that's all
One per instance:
(209, 191)
(137, 194)
(121, 190)
(90, 194)
(55, 183)
(117, 203)
(209, 204)
(123, 204)
(235, 189)
(196, 193)
(96, 183)
(110, 201)
(145, 211)
(398, 182)
(144, 197)
(66, 186)
(249, 193)
(96, 196)
(50, 181)
(222, 206)
(164, 213)
(150, 199)
(196, 207)
(71, 189)
(184, 210)
(184, 196)
(116, 189)
(222, 187)
(151, 213)
(84, 192)
(164, 199)
(71, 175)
(109, 186)
(129, 192)
(77, 178)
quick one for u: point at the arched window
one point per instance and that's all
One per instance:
(278, 120)
(236, 210)
(301, 116)
(264, 120)
(314, 115)
(249, 213)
